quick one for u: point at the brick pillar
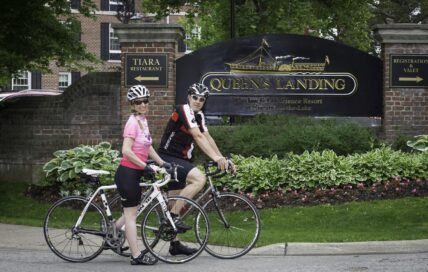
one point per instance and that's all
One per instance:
(405, 108)
(151, 38)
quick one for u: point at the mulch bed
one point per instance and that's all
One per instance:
(395, 188)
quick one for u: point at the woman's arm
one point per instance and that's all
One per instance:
(154, 155)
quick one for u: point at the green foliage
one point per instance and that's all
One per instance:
(400, 11)
(324, 169)
(34, 33)
(266, 135)
(63, 170)
(342, 21)
(420, 143)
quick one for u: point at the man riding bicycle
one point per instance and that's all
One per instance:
(186, 126)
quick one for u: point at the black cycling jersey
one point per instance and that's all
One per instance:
(177, 140)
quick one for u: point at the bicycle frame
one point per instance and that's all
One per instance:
(213, 191)
(154, 193)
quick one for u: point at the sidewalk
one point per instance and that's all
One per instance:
(24, 237)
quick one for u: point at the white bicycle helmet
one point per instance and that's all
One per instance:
(137, 91)
(199, 89)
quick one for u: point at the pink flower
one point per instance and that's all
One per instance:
(414, 191)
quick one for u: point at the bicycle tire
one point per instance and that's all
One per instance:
(75, 245)
(158, 235)
(237, 239)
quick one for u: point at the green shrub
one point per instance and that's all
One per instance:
(63, 170)
(324, 169)
(400, 143)
(420, 143)
(264, 136)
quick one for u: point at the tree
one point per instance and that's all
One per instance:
(344, 21)
(35, 33)
(400, 11)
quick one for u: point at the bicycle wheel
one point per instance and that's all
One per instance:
(158, 234)
(234, 224)
(75, 244)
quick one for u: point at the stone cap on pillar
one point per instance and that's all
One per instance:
(148, 32)
(401, 33)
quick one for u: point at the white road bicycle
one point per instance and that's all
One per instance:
(77, 229)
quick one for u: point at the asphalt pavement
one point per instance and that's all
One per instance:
(25, 237)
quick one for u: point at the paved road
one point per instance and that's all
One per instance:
(23, 248)
(23, 260)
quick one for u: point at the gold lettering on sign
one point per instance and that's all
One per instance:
(145, 62)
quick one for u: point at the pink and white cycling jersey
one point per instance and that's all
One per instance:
(142, 139)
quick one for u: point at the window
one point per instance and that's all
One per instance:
(113, 4)
(110, 5)
(114, 45)
(110, 47)
(21, 81)
(192, 35)
(64, 80)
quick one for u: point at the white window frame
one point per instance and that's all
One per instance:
(195, 33)
(111, 37)
(21, 76)
(114, 3)
(68, 82)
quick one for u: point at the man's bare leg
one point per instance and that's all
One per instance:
(195, 183)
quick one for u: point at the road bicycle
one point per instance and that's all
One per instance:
(234, 219)
(77, 229)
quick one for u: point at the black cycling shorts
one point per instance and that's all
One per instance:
(184, 167)
(128, 185)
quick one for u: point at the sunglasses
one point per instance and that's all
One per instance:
(139, 102)
(201, 99)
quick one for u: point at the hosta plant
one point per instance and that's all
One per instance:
(64, 169)
(419, 143)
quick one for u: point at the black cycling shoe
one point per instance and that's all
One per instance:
(179, 224)
(143, 259)
(177, 248)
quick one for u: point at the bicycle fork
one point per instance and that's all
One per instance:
(156, 193)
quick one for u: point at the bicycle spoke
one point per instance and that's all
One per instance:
(232, 234)
(158, 233)
(62, 217)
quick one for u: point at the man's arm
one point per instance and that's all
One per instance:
(212, 143)
(203, 142)
(230, 164)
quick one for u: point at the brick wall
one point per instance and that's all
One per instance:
(405, 109)
(32, 128)
(162, 100)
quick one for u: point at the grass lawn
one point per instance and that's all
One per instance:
(398, 219)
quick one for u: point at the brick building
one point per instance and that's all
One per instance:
(99, 38)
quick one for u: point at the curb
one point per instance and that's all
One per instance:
(354, 248)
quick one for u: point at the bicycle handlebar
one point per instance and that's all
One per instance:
(167, 174)
(217, 173)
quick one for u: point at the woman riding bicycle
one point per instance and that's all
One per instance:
(136, 148)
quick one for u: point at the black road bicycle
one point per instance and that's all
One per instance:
(233, 218)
